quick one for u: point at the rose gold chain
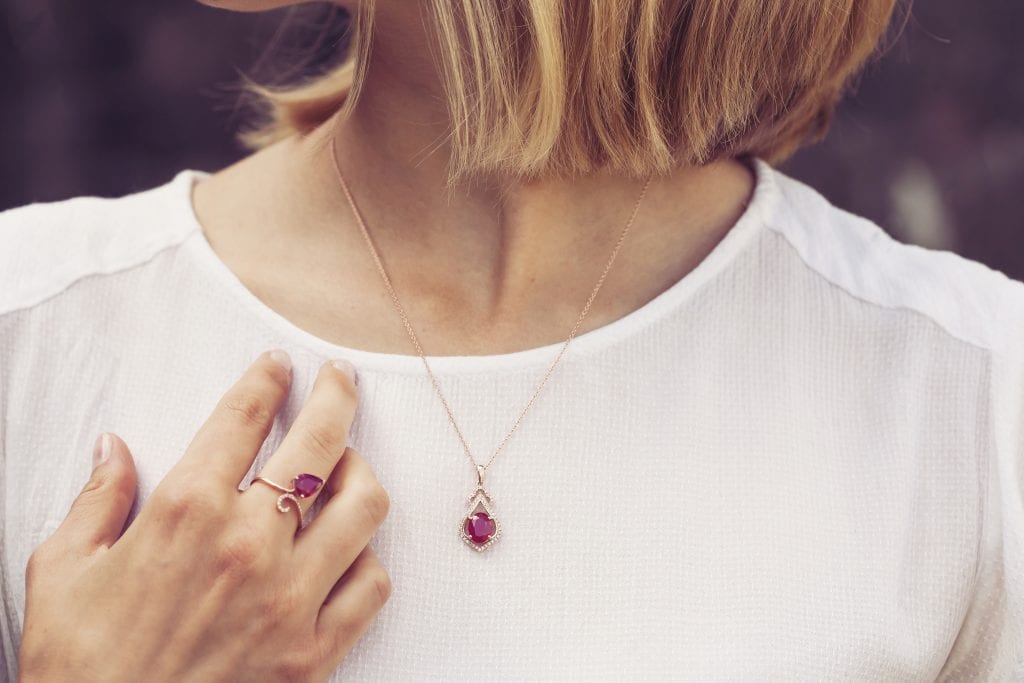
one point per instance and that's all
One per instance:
(416, 343)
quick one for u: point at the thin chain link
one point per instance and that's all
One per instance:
(416, 343)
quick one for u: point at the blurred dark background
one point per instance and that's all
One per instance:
(108, 98)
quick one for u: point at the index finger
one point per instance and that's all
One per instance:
(226, 444)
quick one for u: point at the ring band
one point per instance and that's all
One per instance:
(303, 486)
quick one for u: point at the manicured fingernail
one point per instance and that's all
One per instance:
(281, 358)
(101, 450)
(345, 367)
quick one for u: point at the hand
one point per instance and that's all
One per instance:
(209, 583)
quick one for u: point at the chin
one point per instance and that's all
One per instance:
(250, 5)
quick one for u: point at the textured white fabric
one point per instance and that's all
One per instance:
(804, 461)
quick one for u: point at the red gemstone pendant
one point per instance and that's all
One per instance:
(479, 528)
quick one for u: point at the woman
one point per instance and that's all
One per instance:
(778, 445)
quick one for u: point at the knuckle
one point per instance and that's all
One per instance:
(98, 488)
(380, 582)
(239, 555)
(292, 591)
(278, 375)
(375, 503)
(92, 494)
(93, 486)
(38, 561)
(249, 408)
(299, 664)
(281, 596)
(326, 443)
(188, 500)
(97, 536)
(267, 617)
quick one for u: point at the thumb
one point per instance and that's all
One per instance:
(97, 516)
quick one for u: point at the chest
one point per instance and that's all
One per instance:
(650, 528)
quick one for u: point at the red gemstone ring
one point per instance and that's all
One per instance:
(303, 486)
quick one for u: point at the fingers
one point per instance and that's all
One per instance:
(97, 516)
(352, 604)
(226, 444)
(316, 440)
(344, 525)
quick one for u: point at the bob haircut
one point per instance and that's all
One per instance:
(636, 87)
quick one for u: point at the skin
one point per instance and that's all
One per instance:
(505, 266)
(102, 606)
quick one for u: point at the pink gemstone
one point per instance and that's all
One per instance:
(307, 484)
(480, 527)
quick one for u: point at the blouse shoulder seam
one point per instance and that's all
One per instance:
(42, 297)
(51, 247)
(904, 306)
(966, 299)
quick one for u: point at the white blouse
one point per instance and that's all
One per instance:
(803, 461)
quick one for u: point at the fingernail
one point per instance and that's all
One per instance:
(101, 450)
(281, 358)
(345, 367)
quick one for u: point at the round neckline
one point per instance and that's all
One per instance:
(756, 214)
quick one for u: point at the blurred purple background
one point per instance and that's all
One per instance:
(108, 98)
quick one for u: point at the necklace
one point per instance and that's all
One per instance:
(479, 527)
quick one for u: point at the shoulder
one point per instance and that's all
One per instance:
(967, 306)
(46, 247)
(967, 299)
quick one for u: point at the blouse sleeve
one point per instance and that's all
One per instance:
(990, 645)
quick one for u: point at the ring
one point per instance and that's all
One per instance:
(303, 485)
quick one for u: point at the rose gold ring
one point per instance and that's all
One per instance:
(303, 486)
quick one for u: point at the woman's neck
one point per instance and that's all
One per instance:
(474, 272)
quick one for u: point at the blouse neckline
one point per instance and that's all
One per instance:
(755, 216)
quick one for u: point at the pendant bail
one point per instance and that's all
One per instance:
(480, 475)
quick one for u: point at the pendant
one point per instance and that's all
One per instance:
(479, 528)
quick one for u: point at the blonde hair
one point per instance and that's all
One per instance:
(633, 86)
